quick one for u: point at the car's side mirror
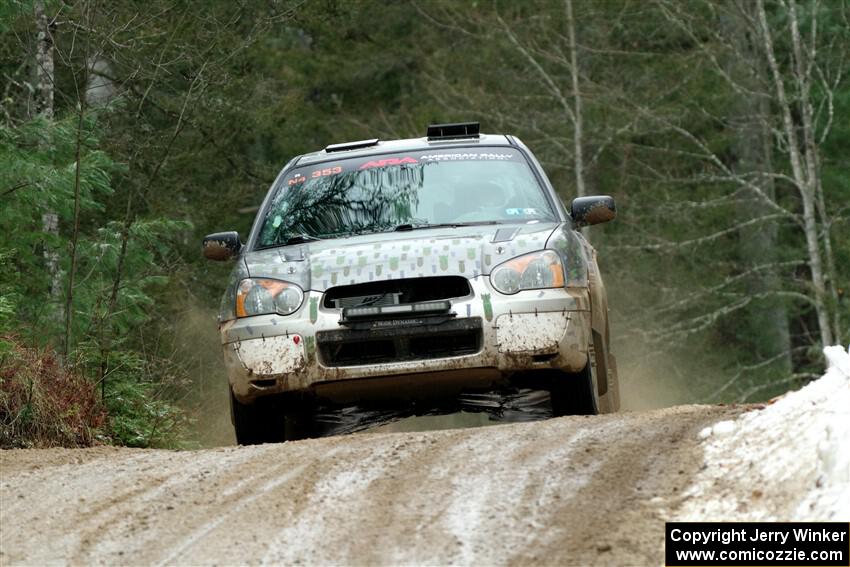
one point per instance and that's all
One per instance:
(222, 246)
(593, 210)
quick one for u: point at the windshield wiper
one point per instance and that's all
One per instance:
(300, 239)
(409, 226)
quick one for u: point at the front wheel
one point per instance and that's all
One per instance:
(268, 420)
(256, 423)
(574, 393)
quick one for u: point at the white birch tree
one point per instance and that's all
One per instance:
(43, 95)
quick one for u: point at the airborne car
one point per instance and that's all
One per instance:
(406, 268)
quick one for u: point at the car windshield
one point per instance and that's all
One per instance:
(404, 191)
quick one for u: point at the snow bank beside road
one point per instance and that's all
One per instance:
(789, 461)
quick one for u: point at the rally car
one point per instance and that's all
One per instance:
(410, 268)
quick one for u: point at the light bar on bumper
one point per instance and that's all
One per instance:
(380, 312)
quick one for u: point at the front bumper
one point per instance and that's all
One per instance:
(536, 329)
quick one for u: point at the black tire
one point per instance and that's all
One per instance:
(572, 394)
(300, 425)
(272, 419)
(257, 423)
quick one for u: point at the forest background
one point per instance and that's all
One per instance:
(130, 129)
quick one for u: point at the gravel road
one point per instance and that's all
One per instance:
(568, 491)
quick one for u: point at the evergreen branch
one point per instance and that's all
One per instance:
(15, 187)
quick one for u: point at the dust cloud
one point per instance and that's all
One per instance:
(654, 378)
(647, 380)
(206, 402)
(657, 373)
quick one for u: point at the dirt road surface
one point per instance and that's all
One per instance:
(568, 491)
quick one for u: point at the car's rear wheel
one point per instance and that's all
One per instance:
(574, 393)
(269, 420)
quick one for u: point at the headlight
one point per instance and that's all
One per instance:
(537, 270)
(259, 296)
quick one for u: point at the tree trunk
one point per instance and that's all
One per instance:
(803, 81)
(578, 110)
(578, 127)
(804, 183)
(43, 105)
(43, 88)
(831, 269)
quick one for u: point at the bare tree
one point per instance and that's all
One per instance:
(803, 157)
(578, 113)
(794, 138)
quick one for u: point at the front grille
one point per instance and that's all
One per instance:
(375, 300)
(394, 292)
(349, 347)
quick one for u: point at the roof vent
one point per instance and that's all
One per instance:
(453, 131)
(351, 145)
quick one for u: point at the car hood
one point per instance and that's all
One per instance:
(465, 251)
